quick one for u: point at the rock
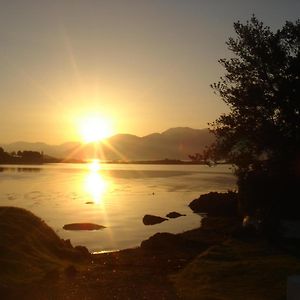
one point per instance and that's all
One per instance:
(90, 202)
(216, 204)
(151, 220)
(161, 240)
(174, 215)
(164, 241)
(83, 226)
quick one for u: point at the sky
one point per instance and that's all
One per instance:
(142, 65)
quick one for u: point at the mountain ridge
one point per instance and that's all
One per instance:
(173, 143)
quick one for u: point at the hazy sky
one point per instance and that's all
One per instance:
(146, 65)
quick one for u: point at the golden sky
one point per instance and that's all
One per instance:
(143, 65)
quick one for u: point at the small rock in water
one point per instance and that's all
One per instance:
(174, 215)
(83, 226)
(151, 220)
(90, 202)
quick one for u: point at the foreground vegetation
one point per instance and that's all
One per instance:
(31, 250)
(237, 269)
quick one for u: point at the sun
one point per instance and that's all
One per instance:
(94, 128)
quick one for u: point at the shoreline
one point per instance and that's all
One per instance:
(155, 259)
(217, 260)
(139, 162)
(137, 273)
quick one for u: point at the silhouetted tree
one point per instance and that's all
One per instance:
(3, 155)
(197, 157)
(33, 157)
(204, 157)
(261, 133)
(30, 156)
(13, 153)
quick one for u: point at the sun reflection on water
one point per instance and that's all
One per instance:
(94, 165)
(95, 184)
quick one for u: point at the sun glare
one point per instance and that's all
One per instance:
(95, 184)
(94, 129)
(94, 165)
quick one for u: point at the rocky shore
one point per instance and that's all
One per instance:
(214, 261)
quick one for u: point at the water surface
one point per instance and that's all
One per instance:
(120, 195)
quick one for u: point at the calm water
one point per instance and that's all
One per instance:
(121, 196)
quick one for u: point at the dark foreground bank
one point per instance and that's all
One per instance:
(216, 261)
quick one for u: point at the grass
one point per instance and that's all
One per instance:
(237, 270)
(30, 250)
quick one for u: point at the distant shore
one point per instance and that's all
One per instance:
(39, 158)
(137, 162)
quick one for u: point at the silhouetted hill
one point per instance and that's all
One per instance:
(174, 143)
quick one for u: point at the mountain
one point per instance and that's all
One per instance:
(174, 143)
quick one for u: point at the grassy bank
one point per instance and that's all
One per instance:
(237, 270)
(31, 250)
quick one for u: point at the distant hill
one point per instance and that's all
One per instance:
(174, 143)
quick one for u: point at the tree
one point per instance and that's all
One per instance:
(261, 133)
(4, 156)
(30, 156)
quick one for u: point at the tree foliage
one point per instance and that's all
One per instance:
(261, 133)
(34, 157)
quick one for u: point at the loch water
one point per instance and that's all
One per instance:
(116, 196)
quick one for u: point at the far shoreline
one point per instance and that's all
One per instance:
(133, 162)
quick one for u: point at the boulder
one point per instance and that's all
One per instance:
(161, 240)
(174, 215)
(164, 241)
(216, 204)
(152, 220)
